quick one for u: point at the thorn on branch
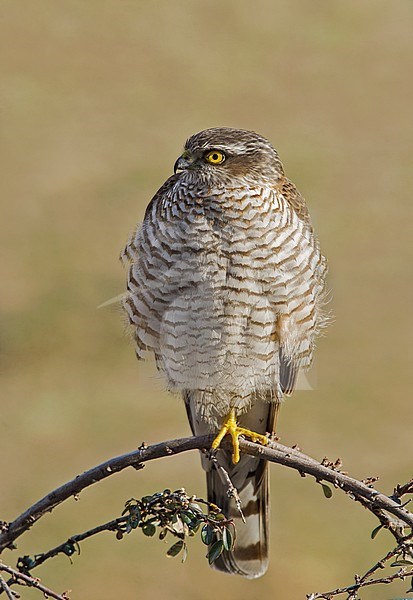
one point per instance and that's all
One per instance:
(370, 481)
(138, 467)
(401, 490)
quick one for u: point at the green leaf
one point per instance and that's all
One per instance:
(130, 505)
(175, 549)
(130, 502)
(195, 528)
(133, 511)
(327, 490)
(136, 512)
(149, 529)
(220, 517)
(184, 554)
(375, 531)
(189, 518)
(207, 534)
(134, 519)
(196, 508)
(215, 551)
(227, 539)
(25, 562)
(402, 563)
(69, 549)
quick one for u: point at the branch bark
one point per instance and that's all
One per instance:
(28, 581)
(5, 587)
(352, 590)
(67, 545)
(371, 498)
(135, 459)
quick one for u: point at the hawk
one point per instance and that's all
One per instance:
(226, 287)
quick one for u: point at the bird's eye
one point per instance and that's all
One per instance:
(215, 157)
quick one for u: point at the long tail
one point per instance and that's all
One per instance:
(250, 554)
(251, 478)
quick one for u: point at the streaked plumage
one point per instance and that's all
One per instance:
(225, 287)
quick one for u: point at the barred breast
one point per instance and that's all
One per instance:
(226, 289)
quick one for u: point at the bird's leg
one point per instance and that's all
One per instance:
(230, 426)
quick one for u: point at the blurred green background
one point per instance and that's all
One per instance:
(97, 100)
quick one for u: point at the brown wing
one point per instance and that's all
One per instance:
(295, 200)
(288, 374)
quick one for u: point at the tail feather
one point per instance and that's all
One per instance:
(250, 554)
(250, 477)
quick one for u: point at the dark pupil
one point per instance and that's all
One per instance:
(215, 157)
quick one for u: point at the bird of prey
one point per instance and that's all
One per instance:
(226, 287)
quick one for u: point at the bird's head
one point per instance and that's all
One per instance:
(222, 154)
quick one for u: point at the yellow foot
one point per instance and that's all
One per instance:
(230, 426)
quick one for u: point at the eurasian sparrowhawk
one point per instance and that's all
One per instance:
(226, 286)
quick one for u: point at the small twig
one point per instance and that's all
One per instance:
(7, 589)
(402, 548)
(393, 525)
(379, 564)
(232, 491)
(352, 589)
(23, 579)
(68, 547)
(11, 531)
(401, 490)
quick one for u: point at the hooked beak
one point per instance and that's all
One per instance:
(182, 163)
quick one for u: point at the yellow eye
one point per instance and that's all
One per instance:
(215, 157)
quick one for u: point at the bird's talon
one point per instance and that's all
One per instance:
(230, 427)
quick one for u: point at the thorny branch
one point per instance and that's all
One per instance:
(403, 550)
(390, 511)
(351, 590)
(5, 587)
(68, 546)
(27, 580)
(275, 452)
